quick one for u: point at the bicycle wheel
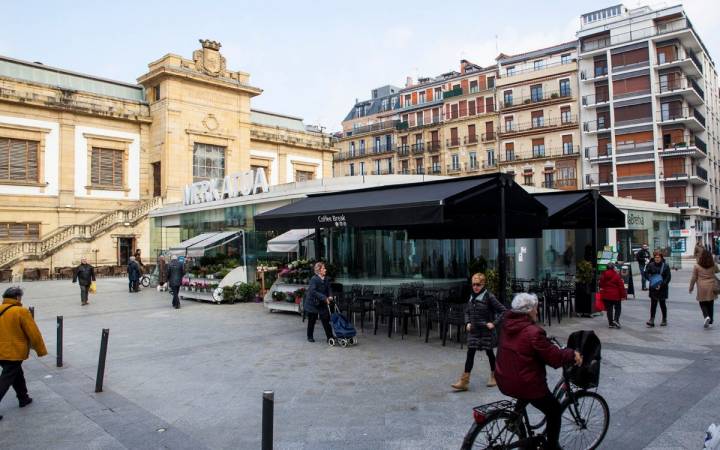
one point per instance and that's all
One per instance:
(145, 281)
(584, 427)
(500, 432)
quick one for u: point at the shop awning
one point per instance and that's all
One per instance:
(466, 207)
(197, 246)
(574, 210)
(288, 241)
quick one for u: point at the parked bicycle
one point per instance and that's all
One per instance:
(505, 424)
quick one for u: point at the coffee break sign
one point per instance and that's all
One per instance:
(245, 183)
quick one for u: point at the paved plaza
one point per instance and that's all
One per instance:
(193, 379)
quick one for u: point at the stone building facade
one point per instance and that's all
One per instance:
(84, 159)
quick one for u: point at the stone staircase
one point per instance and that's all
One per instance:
(63, 236)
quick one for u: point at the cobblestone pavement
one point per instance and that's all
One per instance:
(193, 378)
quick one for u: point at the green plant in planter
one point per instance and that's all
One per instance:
(554, 95)
(246, 292)
(279, 296)
(228, 294)
(493, 283)
(584, 272)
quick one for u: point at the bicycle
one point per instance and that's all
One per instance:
(505, 424)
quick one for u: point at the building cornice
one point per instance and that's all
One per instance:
(174, 71)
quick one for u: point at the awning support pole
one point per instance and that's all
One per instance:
(595, 195)
(318, 243)
(502, 258)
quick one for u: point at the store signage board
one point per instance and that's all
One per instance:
(332, 220)
(680, 233)
(249, 182)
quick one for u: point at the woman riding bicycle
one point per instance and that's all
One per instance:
(523, 352)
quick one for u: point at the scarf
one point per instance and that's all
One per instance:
(479, 296)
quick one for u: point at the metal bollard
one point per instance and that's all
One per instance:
(267, 420)
(101, 361)
(32, 311)
(59, 351)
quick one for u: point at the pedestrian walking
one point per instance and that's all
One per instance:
(483, 313)
(138, 258)
(84, 276)
(658, 276)
(699, 247)
(18, 333)
(642, 257)
(704, 276)
(612, 290)
(133, 271)
(174, 276)
(162, 273)
(317, 302)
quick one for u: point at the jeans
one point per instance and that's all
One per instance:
(549, 406)
(613, 308)
(643, 281)
(707, 309)
(653, 308)
(470, 359)
(12, 375)
(84, 294)
(175, 298)
(324, 318)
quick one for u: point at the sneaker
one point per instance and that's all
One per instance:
(663, 323)
(25, 401)
(612, 325)
(311, 340)
(617, 324)
(707, 322)
(650, 324)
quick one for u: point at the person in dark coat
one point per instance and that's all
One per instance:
(482, 315)
(523, 352)
(642, 257)
(133, 271)
(612, 290)
(317, 301)
(162, 273)
(658, 294)
(174, 276)
(84, 275)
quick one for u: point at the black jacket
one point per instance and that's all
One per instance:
(84, 274)
(478, 313)
(655, 268)
(318, 291)
(642, 257)
(133, 271)
(175, 272)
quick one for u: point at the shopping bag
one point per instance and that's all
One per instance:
(712, 437)
(93, 288)
(599, 303)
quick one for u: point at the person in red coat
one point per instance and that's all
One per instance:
(523, 352)
(612, 290)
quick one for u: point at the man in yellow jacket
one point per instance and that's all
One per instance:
(18, 333)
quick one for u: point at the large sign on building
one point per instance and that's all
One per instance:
(245, 183)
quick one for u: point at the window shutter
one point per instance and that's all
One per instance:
(107, 167)
(18, 160)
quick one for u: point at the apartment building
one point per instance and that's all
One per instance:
(539, 132)
(649, 113)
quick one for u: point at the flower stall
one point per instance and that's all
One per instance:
(288, 291)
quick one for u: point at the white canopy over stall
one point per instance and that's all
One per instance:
(196, 247)
(289, 241)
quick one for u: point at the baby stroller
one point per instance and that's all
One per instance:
(343, 331)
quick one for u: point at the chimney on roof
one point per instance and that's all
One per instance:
(463, 65)
(408, 82)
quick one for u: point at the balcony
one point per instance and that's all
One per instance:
(695, 148)
(591, 101)
(508, 72)
(598, 73)
(650, 177)
(688, 88)
(417, 148)
(488, 137)
(539, 126)
(534, 100)
(661, 29)
(455, 92)
(598, 179)
(597, 154)
(470, 140)
(566, 184)
(453, 168)
(382, 126)
(635, 147)
(472, 166)
(594, 126)
(403, 151)
(692, 173)
(452, 142)
(631, 94)
(690, 117)
(688, 62)
(344, 156)
(435, 169)
(543, 153)
(404, 171)
(382, 148)
(490, 164)
(420, 170)
(433, 147)
(689, 202)
(383, 172)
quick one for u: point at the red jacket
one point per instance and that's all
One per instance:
(612, 286)
(523, 352)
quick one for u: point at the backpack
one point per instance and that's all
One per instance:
(588, 344)
(656, 279)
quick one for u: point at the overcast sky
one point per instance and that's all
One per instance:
(313, 59)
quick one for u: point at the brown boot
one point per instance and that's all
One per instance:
(463, 382)
(491, 381)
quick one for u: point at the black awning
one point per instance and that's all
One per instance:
(454, 208)
(574, 210)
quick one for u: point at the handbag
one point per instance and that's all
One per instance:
(656, 279)
(599, 303)
(93, 288)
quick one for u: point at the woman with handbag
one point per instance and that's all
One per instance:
(612, 288)
(708, 286)
(658, 274)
